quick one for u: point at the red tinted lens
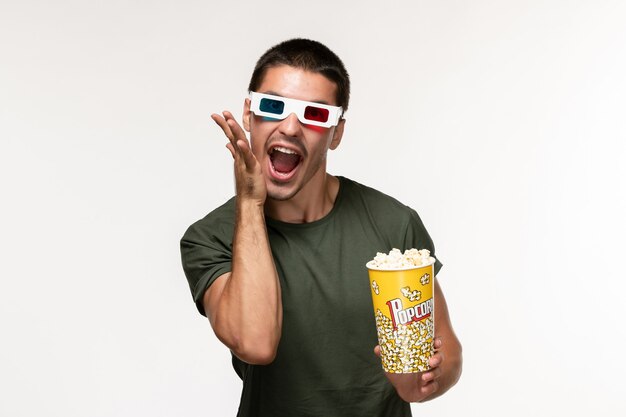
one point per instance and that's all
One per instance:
(316, 114)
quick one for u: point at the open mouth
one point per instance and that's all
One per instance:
(284, 161)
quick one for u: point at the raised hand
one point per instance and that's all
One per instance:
(249, 181)
(253, 338)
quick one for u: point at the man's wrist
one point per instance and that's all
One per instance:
(244, 204)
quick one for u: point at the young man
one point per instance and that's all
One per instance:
(279, 269)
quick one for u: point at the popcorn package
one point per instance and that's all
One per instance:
(403, 299)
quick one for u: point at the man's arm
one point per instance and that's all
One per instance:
(445, 365)
(244, 306)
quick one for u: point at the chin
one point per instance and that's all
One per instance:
(280, 196)
(281, 191)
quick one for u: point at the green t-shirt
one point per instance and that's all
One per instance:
(325, 365)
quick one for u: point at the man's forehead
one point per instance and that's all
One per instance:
(298, 83)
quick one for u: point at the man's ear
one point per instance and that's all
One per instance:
(247, 114)
(337, 135)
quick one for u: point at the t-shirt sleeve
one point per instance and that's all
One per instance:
(417, 237)
(206, 254)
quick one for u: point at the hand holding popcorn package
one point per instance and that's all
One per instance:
(403, 298)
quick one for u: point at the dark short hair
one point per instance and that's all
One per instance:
(308, 55)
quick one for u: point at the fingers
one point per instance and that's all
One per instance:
(429, 384)
(230, 127)
(438, 343)
(221, 122)
(435, 360)
(431, 375)
(429, 389)
(422, 386)
(234, 127)
(231, 149)
(249, 181)
(238, 142)
(411, 387)
(377, 350)
(438, 357)
(435, 370)
(242, 143)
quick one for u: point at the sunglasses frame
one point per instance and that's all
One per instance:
(295, 106)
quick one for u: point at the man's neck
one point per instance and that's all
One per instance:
(308, 205)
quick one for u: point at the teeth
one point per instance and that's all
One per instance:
(284, 150)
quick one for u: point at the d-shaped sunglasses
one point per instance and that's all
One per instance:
(276, 107)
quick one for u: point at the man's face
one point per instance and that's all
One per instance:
(291, 153)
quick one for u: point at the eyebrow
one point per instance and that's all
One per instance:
(273, 93)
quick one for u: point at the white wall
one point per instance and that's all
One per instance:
(501, 122)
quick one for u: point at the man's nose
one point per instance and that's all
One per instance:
(290, 126)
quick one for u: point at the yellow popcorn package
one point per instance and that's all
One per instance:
(403, 298)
